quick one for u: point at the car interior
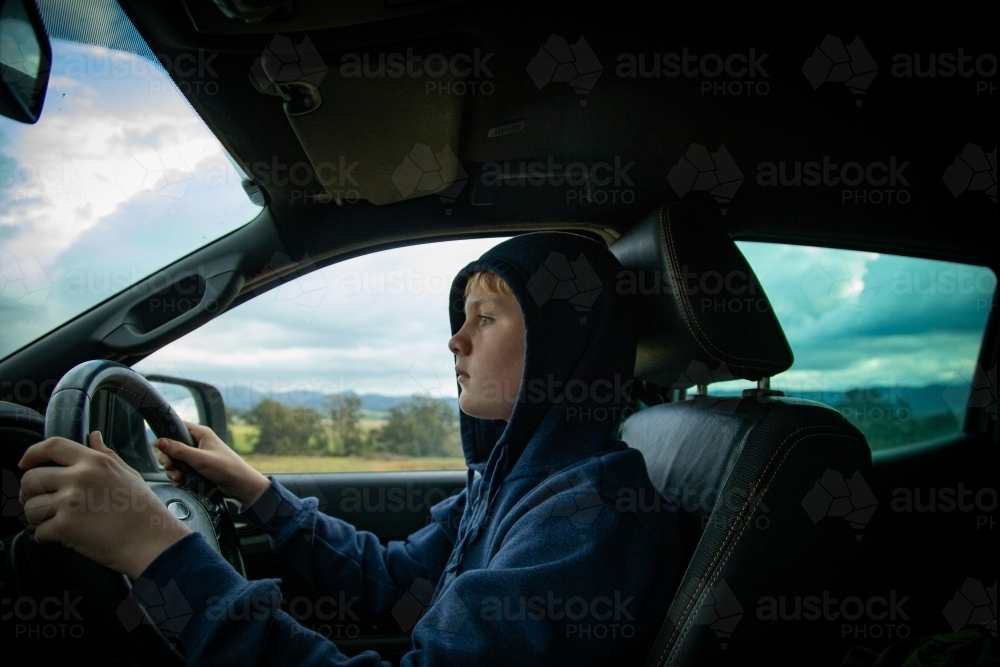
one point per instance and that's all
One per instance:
(685, 181)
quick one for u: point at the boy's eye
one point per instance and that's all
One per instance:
(485, 319)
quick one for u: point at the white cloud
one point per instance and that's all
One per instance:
(117, 179)
(84, 160)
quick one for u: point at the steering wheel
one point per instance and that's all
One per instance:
(199, 504)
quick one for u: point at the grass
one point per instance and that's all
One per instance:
(287, 464)
(244, 438)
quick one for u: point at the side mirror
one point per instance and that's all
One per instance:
(196, 402)
(25, 60)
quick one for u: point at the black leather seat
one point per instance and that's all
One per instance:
(772, 491)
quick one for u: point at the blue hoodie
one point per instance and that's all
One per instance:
(551, 554)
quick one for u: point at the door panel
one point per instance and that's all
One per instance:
(935, 528)
(390, 505)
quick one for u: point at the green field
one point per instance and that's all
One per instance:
(288, 464)
(245, 436)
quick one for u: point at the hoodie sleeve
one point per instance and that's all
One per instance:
(554, 594)
(220, 619)
(334, 557)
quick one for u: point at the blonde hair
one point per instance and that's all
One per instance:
(489, 281)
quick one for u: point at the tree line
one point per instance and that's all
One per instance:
(420, 426)
(889, 422)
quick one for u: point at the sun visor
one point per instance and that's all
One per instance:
(376, 126)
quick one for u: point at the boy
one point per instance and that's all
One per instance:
(533, 563)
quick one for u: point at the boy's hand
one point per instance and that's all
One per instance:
(216, 461)
(95, 504)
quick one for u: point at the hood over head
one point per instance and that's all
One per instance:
(580, 346)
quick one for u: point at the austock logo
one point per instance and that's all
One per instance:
(872, 617)
(321, 183)
(20, 56)
(305, 290)
(974, 170)
(458, 74)
(147, 603)
(560, 279)
(699, 170)
(982, 393)
(946, 66)
(732, 75)
(425, 171)
(973, 604)
(835, 62)
(559, 62)
(834, 496)
(291, 72)
(331, 617)
(12, 497)
(573, 499)
(447, 614)
(718, 609)
(162, 170)
(47, 617)
(23, 281)
(837, 279)
(414, 603)
(598, 182)
(583, 617)
(982, 502)
(699, 373)
(872, 177)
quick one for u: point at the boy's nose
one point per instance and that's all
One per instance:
(458, 344)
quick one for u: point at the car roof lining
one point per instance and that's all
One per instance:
(661, 123)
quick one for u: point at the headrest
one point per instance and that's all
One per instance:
(702, 315)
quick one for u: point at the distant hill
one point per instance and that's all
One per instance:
(926, 400)
(245, 398)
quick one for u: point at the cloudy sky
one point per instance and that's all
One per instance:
(119, 178)
(379, 323)
(857, 318)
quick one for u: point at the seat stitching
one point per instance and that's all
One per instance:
(731, 529)
(118, 388)
(723, 545)
(664, 229)
(733, 545)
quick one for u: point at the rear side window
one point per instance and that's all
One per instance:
(891, 342)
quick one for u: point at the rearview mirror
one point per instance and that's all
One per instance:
(25, 59)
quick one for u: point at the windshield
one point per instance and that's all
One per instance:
(119, 178)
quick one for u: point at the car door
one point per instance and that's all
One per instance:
(340, 384)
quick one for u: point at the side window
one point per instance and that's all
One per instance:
(891, 342)
(343, 369)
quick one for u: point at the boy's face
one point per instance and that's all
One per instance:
(489, 354)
